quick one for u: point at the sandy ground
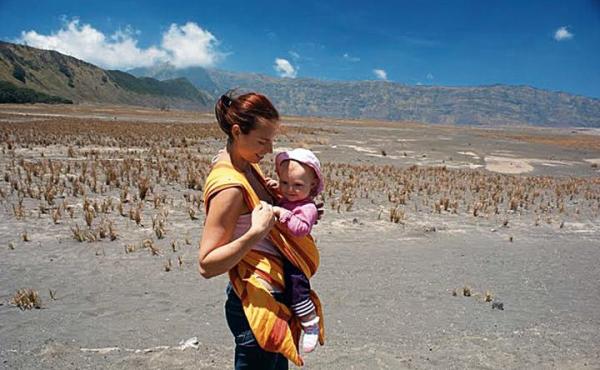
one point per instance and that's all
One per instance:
(387, 288)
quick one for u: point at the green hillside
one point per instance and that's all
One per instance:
(58, 75)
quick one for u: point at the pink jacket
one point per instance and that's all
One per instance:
(299, 217)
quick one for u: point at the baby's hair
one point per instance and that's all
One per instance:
(245, 110)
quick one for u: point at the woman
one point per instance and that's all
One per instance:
(239, 237)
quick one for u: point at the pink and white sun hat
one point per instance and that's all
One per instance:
(306, 157)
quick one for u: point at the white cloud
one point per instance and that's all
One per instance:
(182, 46)
(294, 55)
(350, 58)
(430, 76)
(380, 74)
(189, 45)
(562, 34)
(284, 68)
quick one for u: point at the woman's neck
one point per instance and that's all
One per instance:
(237, 161)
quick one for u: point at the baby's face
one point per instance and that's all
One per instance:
(296, 180)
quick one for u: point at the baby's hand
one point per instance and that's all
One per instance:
(272, 183)
(320, 210)
(278, 211)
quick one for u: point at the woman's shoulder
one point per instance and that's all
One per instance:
(227, 200)
(221, 154)
(221, 169)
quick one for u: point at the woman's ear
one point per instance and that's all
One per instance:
(236, 131)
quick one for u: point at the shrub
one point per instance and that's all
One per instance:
(10, 93)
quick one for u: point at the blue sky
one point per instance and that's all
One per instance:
(546, 44)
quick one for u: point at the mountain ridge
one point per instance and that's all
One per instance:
(475, 105)
(52, 73)
(64, 78)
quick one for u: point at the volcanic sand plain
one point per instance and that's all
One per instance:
(442, 247)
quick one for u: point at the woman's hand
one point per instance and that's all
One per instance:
(263, 219)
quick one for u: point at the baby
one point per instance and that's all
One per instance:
(300, 180)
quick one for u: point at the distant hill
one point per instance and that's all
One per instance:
(60, 78)
(496, 104)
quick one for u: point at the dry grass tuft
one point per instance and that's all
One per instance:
(466, 291)
(56, 215)
(488, 296)
(78, 234)
(143, 186)
(192, 213)
(130, 248)
(396, 215)
(27, 299)
(148, 243)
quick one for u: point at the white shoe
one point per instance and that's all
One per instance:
(311, 335)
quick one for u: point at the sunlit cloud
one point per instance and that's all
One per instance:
(380, 74)
(284, 68)
(562, 34)
(182, 46)
(190, 45)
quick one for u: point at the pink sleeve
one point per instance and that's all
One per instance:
(300, 220)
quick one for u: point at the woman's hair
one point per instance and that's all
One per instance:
(245, 110)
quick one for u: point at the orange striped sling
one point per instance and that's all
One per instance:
(272, 323)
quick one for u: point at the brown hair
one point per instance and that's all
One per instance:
(245, 110)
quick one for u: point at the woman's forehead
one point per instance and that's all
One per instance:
(266, 130)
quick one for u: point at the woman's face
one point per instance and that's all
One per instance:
(254, 145)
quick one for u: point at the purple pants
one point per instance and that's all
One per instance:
(297, 290)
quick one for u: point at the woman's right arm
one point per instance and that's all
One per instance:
(218, 253)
